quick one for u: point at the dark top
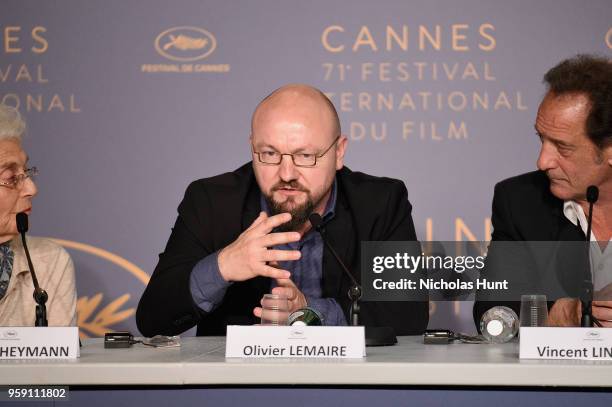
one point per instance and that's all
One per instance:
(216, 210)
(525, 210)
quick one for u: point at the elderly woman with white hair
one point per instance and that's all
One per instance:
(54, 268)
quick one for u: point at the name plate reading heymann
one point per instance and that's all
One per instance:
(566, 343)
(39, 342)
(258, 341)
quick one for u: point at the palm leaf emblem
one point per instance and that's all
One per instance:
(93, 323)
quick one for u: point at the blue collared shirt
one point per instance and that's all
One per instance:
(208, 287)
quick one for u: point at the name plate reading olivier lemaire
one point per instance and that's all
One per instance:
(566, 343)
(259, 341)
(39, 342)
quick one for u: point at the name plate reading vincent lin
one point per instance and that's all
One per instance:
(259, 341)
(566, 343)
(39, 342)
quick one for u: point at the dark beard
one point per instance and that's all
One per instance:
(299, 214)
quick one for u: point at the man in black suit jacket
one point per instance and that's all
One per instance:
(237, 231)
(574, 124)
(527, 219)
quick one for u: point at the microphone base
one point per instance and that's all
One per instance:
(380, 336)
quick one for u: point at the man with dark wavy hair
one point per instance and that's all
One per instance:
(574, 124)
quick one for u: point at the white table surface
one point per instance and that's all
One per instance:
(201, 361)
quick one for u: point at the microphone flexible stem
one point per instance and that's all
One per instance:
(333, 252)
(354, 292)
(30, 265)
(589, 222)
(587, 318)
(40, 295)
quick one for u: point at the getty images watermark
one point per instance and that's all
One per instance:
(497, 271)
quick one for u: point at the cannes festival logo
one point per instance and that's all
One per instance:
(185, 44)
(10, 334)
(102, 312)
(593, 335)
(297, 333)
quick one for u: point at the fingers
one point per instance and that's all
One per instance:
(247, 256)
(604, 295)
(603, 312)
(286, 282)
(287, 288)
(272, 303)
(603, 304)
(272, 272)
(262, 216)
(271, 316)
(287, 292)
(564, 312)
(275, 239)
(271, 222)
(281, 255)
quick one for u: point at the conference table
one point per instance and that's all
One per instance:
(409, 373)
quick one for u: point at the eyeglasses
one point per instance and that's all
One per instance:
(16, 181)
(299, 159)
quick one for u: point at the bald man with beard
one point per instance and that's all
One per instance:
(245, 233)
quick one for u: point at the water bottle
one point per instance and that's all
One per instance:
(499, 324)
(305, 316)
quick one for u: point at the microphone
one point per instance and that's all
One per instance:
(592, 195)
(587, 320)
(375, 336)
(355, 291)
(40, 295)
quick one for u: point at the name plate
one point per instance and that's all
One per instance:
(39, 342)
(257, 341)
(566, 343)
